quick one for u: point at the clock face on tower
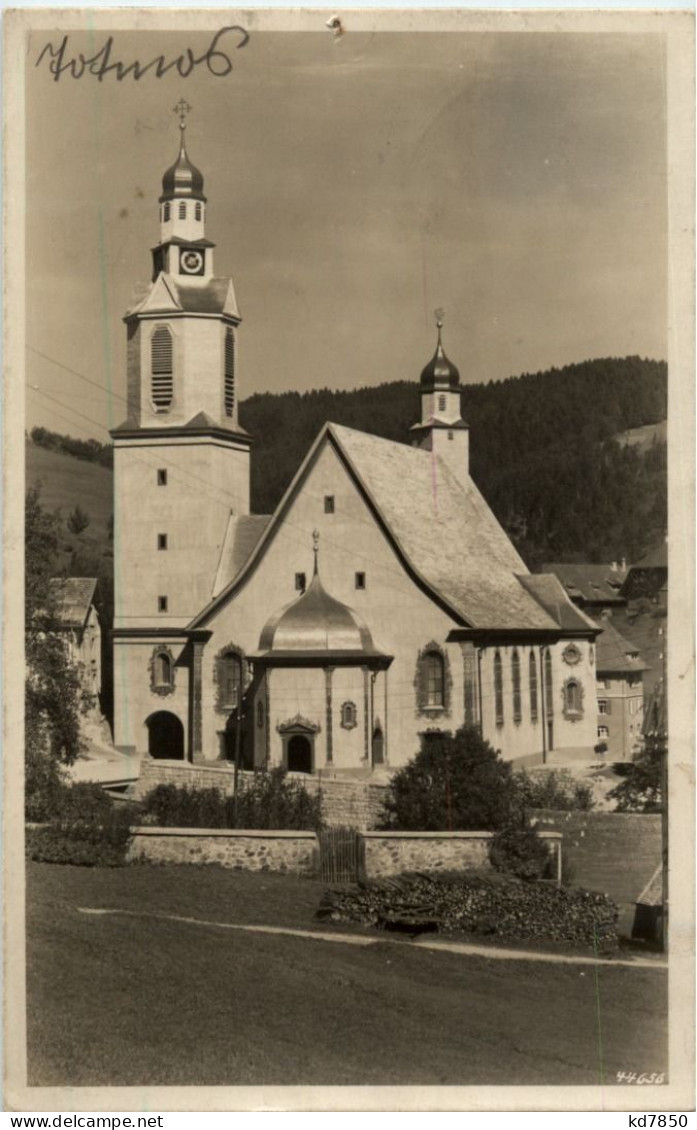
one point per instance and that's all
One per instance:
(191, 262)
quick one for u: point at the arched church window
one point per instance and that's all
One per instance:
(498, 688)
(230, 680)
(515, 675)
(162, 671)
(348, 715)
(165, 212)
(533, 687)
(182, 211)
(198, 211)
(573, 699)
(229, 377)
(162, 368)
(549, 705)
(435, 678)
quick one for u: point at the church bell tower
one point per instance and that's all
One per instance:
(181, 459)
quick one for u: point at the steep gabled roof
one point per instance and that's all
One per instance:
(441, 529)
(242, 534)
(73, 598)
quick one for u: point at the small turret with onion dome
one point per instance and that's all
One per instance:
(183, 209)
(442, 429)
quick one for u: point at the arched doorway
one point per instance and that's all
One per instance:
(165, 736)
(378, 745)
(299, 754)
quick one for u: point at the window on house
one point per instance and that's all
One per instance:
(162, 368)
(162, 604)
(348, 715)
(162, 541)
(441, 402)
(329, 504)
(165, 213)
(532, 676)
(229, 367)
(198, 211)
(360, 580)
(182, 211)
(435, 679)
(230, 674)
(163, 670)
(603, 706)
(300, 582)
(162, 478)
(549, 704)
(498, 689)
(603, 732)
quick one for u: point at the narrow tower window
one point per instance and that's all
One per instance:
(515, 673)
(165, 212)
(162, 368)
(441, 402)
(229, 394)
(162, 604)
(329, 504)
(162, 478)
(197, 211)
(498, 689)
(162, 541)
(360, 580)
(182, 211)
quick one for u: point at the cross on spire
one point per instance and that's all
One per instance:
(440, 317)
(181, 109)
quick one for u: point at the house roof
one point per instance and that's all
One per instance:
(442, 529)
(614, 655)
(593, 584)
(549, 592)
(242, 534)
(73, 597)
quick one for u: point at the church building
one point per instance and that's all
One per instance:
(380, 601)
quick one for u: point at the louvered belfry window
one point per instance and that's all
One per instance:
(229, 372)
(162, 362)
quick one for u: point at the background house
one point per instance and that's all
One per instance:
(73, 598)
(620, 671)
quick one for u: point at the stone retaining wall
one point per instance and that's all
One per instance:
(242, 850)
(389, 853)
(346, 801)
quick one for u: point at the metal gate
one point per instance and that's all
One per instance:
(340, 855)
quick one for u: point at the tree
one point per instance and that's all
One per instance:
(455, 783)
(78, 520)
(53, 696)
(640, 791)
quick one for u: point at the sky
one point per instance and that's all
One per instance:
(516, 180)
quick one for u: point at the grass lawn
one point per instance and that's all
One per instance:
(121, 1000)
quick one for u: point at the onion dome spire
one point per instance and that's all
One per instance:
(183, 181)
(440, 372)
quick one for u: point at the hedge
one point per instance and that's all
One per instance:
(495, 906)
(267, 800)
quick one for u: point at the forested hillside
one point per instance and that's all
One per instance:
(542, 447)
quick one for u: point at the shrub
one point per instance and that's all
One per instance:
(266, 800)
(455, 783)
(478, 904)
(640, 791)
(519, 851)
(552, 790)
(78, 520)
(87, 829)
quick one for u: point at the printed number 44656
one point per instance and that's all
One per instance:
(632, 1077)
